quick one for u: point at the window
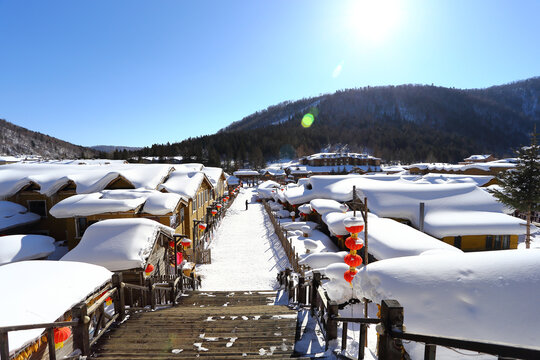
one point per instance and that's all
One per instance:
(498, 242)
(457, 241)
(81, 224)
(506, 241)
(38, 207)
(194, 204)
(489, 242)
(181, 215)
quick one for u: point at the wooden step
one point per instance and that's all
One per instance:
(211, 325)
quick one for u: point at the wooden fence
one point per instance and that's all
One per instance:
(91, 320)
(282, 235)
(308, 292)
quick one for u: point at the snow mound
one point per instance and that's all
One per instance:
(25, 247)
(72, 282)
(489, 296)
(323, 259)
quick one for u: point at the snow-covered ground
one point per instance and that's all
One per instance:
(246, 253)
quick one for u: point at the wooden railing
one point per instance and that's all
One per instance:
(308, 292)
(91, 320)
(282, 235)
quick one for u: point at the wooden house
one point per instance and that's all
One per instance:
(199, 193)
(128, 246)
(247, 176)
(86, 209)
(39, 187)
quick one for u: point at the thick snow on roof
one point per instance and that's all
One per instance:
(107, 201)
(189, 167)
(183, 183)
(68, 284)
(456, 167)
(264, 190)
(88, 178)
(489, 296)
(324, 206)
(245, 172)
(339, 155)
(25, 247)
(213, 173)
(233, 180)
(478, 180)
(117, 244)
(450, 209)
(13, 215)
(478, 157)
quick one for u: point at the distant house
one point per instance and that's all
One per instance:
(480, 158)
(127, 246)
(328, 163)
(247, 176)
(490, 168)
(277, 175)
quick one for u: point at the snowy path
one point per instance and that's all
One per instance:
(246, 253)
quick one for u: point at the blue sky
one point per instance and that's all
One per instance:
(143, 72)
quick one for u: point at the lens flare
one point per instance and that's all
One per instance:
(307, 120)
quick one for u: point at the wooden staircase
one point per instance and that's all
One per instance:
(210, 325)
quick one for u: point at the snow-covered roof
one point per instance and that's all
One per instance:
(245, 172)
(118, 244)
(111, 201)
(478, 157)
(400, 198)
(189, 167)
(214, 174)
(25, 247)
(273, 172)
(487, 296)
(478, 180)
(265, 189)
(233, 180)
(184, 183)
(13, 215)
(71, 283)
(485, 166)
(88, 178)
(339, 155)
(324, 206)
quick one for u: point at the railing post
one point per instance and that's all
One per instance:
(314, 300)
(301, 290)
(150, 284)
(181, 281)
(173, 292)
(81, 336)
(120, 305)
(331, 324)
(4, 346)
(391, 319)
(344, 335)
(430, 352)
(50, 344)
(362, 341)
(290, 287)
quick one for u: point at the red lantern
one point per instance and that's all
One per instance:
(218, 206)
(61, 335)
(349, 275)
(354, 243)
(171, 244)
(149, 269)
(202, 226)
(179, 257)
(353, 260)
(108, 301)
(214, 212)
(186, 242)
(354, 224)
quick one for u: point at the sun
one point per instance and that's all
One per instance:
(373, 20)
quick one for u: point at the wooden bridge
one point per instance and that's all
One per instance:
(210, 325)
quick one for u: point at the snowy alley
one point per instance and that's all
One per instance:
(246, 254)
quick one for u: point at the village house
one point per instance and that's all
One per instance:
(326, 163)
(128, 246)
(41, 186)
(15, 218)
(460, 214)
(86, 209)
(490, 168)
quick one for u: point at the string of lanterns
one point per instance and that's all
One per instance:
(353, 225)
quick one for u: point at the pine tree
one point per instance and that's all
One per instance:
(521, 185)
